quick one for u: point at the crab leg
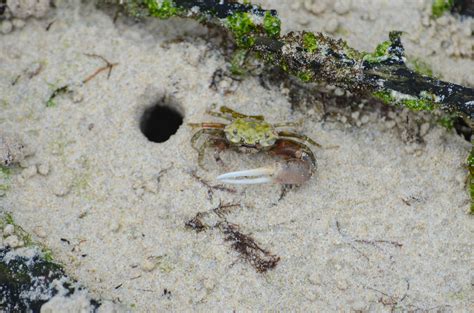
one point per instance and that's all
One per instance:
(298, 136)
(199, 133)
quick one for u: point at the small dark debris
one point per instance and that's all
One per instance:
(196, 223)
(166, 293)
(65, 240)
(261, 259)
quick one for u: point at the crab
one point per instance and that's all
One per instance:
(251, 133)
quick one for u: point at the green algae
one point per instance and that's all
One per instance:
(162, 10)
(271, 25)
(418, 104)
(440, 6)
(310, 42)
(242, 26)
(305, 76)
(381, 53)
(384, 96)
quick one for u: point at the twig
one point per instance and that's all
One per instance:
(108, 66)
(338, 227)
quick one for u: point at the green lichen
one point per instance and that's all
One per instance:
(305, 76)
(242, 26)
(384, 96)
(381, 53)
(163, 10)
(440, 6)
(310, 42)
(272, 25)
(418, 104)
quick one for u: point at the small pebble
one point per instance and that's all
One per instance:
(61, 189)
(355, 115)
(11, 241)
(359, 306)
(33, 69)
(114, 226)
(314, 278)
(342, 7)
(151, 186)
(77, 95)
(424, 129)
(6, 27)
(364, 119)
(339, 92)
(148, 265)
(39, 231)
(342, 284)
(331, 25)
(390, 124)
(29, 172)
(8, 230)
(426, 21)
(18, 23)
(315, 7)
(43, 169)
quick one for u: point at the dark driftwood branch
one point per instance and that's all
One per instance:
(317, 57)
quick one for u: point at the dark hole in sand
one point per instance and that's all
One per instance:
(159, 122)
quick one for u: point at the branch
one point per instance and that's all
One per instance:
(317, 57)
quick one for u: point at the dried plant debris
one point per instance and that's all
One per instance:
(261, 259)
(246, 246)
(69, 88)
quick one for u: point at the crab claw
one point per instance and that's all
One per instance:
(290, 172)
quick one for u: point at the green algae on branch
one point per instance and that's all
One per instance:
(440, 6)
(317, 57)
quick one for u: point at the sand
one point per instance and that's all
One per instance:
(383, 224)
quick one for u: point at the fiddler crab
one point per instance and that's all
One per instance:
(253, 133)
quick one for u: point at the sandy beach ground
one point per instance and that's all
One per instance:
(383, 224)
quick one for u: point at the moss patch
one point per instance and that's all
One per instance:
(272, 25)
(418, 104)
(242, 27)
(162, 10)
(384, 96)
(310, 42)
(381, 53)
(440, 6)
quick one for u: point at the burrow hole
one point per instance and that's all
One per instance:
(160, 121)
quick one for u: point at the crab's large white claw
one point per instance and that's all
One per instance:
(260, 175)
(291, 172)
